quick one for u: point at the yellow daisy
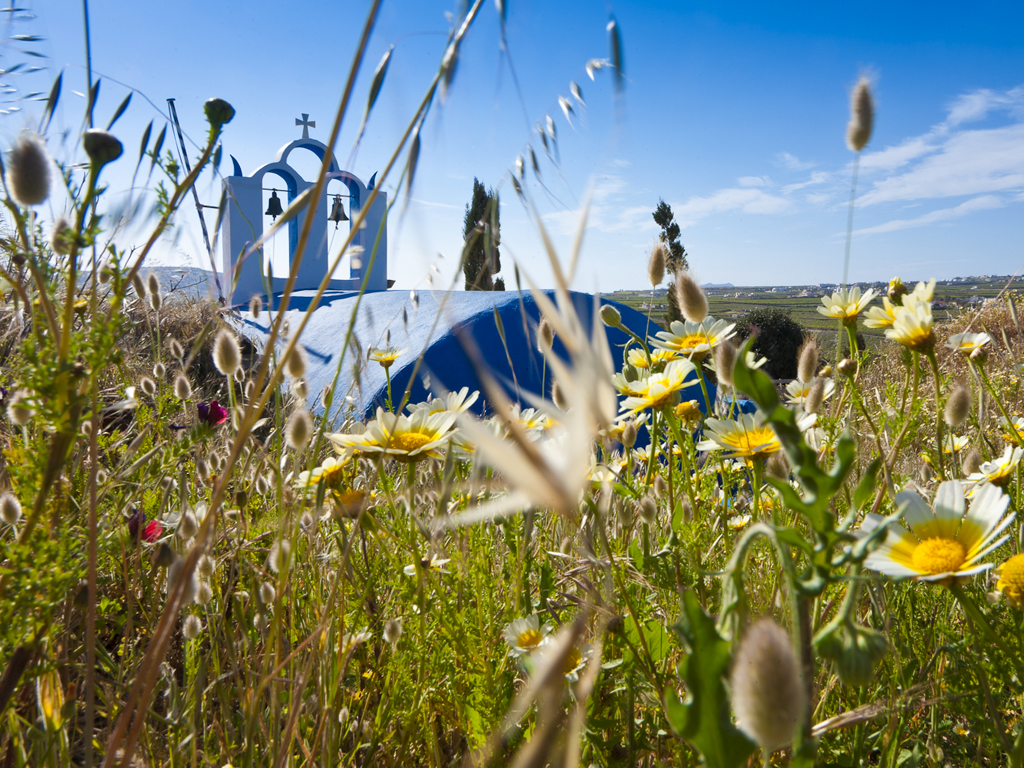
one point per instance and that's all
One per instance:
(1014, 428)
(1011, 580)
(524, 635)
(913, 326)
(657, 389)
(638, 358)
(998, 472)
(747, 437)
(845, 304)
(330, 472)
(883, 316)
(797, 391)
(968, 342)
(694, 340)
(453, 402)
(943, 541)
(385, 356)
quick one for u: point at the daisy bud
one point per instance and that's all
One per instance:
(174, 346)
(647, 509)
(267, 593)
(255, 307)
(777, 466)
(610, 316)
(808, 361)
(182, 389)
(152, 283)
(767, 687)
(187, 526)
(825, 373)
(298, 429)
(725, 362)
(10, 508)
(18, 410)
(629, 435)
(958, 406)
(979, 356)
(280, 555)
(557, 397)
(392, 631)
(138, 285)
(226, 354)
(812, 403)
(897, 290)
(159, 371)
(147, 385)
(847, 367)
(972, 462)
(61, 237)
(204, 594)
(862, 115)
(545, 336)
(218, 112)
(101, 147)
(691, 297)
(192, 627)
(656, 265)
(28, 171)
(295, 365)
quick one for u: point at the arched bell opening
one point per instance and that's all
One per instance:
(278, 191)
(338, 213)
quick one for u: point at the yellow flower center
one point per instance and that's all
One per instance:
(572, 660)
(1011, 579)
(918, 339)
(937, 555)
(528, 638)
(333, 474)
(407, 442)
(688, 411)
(691, 341)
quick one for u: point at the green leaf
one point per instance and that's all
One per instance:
(704, 719)
(867, 484)
(657, 640)
(120, 111)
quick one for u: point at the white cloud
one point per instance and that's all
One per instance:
(983, 203)
(792, 162)
(745, 200)
(754, 181)
(970, 107)
(891, 158)
(818, 177)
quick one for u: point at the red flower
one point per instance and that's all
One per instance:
(212, 414)
(153, 531)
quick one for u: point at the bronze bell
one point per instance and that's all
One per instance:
(337, 212)
(274, 208)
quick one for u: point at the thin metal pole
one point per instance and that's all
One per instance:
(195, 195)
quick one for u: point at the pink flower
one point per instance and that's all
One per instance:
(212, 414)
(153, 531)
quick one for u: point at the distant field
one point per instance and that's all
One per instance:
(724, 303)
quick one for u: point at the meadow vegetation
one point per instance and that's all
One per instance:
(197, 567)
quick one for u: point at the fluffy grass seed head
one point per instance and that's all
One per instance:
(204, 594)
(392, 631)
(656, 265)
(862, 116)
(61, 236)
(192, 627)
(816, 395)
(147, 385)
(227, 355)
(19, 411)
(807, 365)
(958, 406)
(942, 541)
(295, 365)
(692, 300)
(280, 556)
(545, 336)
(255, 306)
(1011, 580)
(187, 526)
(10, 508)
(298, 429)
(152, 283)
(647, 508)
(159, 371)
(629, 434)
(267, 593)
(768, 693)
(28, 170)
(182, 389)
(175, 348)
(175, 572)
(725, 362)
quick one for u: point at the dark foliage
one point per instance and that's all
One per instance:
(481, 231)
(676, 261)
(779, 338)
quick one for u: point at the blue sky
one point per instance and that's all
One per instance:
(733, 113)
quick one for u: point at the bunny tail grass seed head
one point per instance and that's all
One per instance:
(192, 627)
(862, 116)
(298, 429)
(647, 509)
(557, 397)
(958, 406)
(767, 687)
(545, 336)
(147, 385)
(815, 396)
(61, 236)
(267, 593)
(18, 409)
(656, 265)
(725, 362)
(691, 297)
(226, 354)
(175, 348)
(10, 509)
(392, 631)
(152, 283)
(28, 171)
(255, 307)
(159, 371)
(808, 360)
(182, 389)
(296, 363)
(972, 462)
(629, 436)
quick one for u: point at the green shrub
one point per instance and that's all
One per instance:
(778, 339)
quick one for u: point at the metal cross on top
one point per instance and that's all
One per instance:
(306, 124)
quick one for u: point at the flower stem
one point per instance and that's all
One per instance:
(938, 411)
(979, 620)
